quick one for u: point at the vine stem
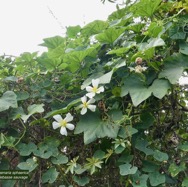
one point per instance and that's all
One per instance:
(22, 133)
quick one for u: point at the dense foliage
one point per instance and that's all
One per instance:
(114, 85)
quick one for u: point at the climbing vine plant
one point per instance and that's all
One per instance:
(103, 106)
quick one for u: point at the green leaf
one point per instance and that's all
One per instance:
(149, 166)
(29, 165)
(50, 175)
(160, 156)
(127, 169)
(81, 181)
(94, 127)
(142, 146)
(175, 169)
(75, 58)
(136, 27)
(183, 147)
(94, 27)
(147, 120)
(7, 141)
(60, 159)
(160, 88)
(156, 178)
(47, 148)
(127, 131)
(26, 149)
(32, 109)
(154, 29)
(8, 100)
(8, 183)
(175, 34)
(145, 8)
(53, 42)
(99, 154)
(174, 67)
(134, 84)
(22, 95)
(11, 78)
(151, 43)
(119, 52)
(183, 48)
(185, 182)
(63, 110)
(72, 31)
(109, 35)
(2, 140)
(140, 180)
(104, 79)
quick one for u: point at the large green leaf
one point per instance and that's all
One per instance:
(81, 181)
(29, 165)
(156, 178)
(127, 169)
(72, 31)
(53, 42)
(50, 175)
(8, 100)
(145, 8)
(185, 182)
(26, 149)
(94, 127)
(109, 35)
(94, 27)
(140, 180)
(127, 131)
(175, 169)
(60, 159)
(142, 146)
(152, 42)
(183, 48)
(160, 156)
(174, 67)
(160, 88)
(32, 109)
(74, 58)
(135, 85)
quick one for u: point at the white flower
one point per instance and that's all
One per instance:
(86, 104)
(93, 90)
(63, 123)
(138, 69)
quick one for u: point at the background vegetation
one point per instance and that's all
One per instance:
(137, 134)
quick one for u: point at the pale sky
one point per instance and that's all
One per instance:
(24, 23)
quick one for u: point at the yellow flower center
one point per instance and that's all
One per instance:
(63, 123)
(85, 104)
(95, 89)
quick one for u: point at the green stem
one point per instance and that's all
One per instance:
(22, 133)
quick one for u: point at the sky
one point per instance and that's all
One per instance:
(25, 23)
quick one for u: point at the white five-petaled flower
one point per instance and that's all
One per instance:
(63, 123)
(92, 91)
(87, 104)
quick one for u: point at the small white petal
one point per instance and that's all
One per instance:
(68, 117)
(90, 95)
(55, 125)
(83, 111)
(92, 100)
(92, 107)
(89, 89)
(57, 117)
(100, 89)
(63, 131)
(95, 82)
(70, 126)
(83, 99)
